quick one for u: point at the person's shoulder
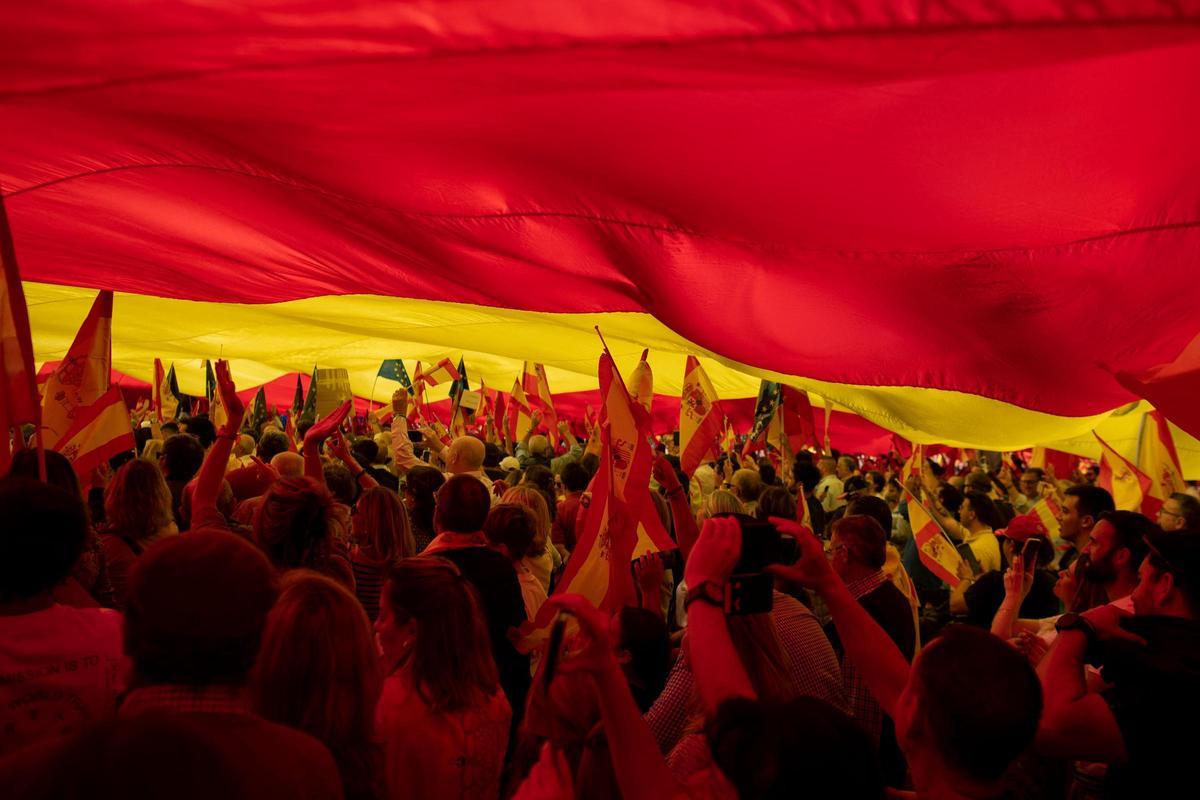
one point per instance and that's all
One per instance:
(82, 624)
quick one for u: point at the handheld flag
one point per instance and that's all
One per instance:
(100, 431)
(83, 375)
(440, 373)
(791, 426)
(309, 412)
(216, 411)
(912, 467)
(18, 395)
(1049, 512)
(393, 370)
(700, 419)
(460, 384)
(621, 523)
(297, 399)
(520, 415)
(537, 397)
(1127, 484)
(258, 412)
(1158, 459)
(937, 552)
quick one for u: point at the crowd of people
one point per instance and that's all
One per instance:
(235, 613)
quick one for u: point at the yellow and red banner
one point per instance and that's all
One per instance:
(83, 375)
(937, 552)
(98, 432)
(1127, 484)
(1158, 459)
(701, 421)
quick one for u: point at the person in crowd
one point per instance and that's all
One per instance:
(318, 671)
(847, 467)
(1026, 533)
(829, 490)
(383, 537)
(747, 486)
(462, 508)
(974, 527)
(202, 427)
(62, 666)
(546, 482)
(1179, 512)
(536, 448)
(721, 502)
(137, 507)
(288, 465)
(420, 488)
(1150, 665)
(806, 477)
(192, 649)
(182, 456)
(465, 456)
(1115, 550)
(295, 528)
(543, 560)
(366, 454)
(775, 501)
(642, 646)
(858, 552)
(443, 717)
(575, 482)
(272, 444)
(512, 528)
(1081, 509)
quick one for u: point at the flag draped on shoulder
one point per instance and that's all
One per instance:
(98, 432)
(393, 370)
(621, 522)
(701, 420)
(1127, 484)
(937, 552)
(18, 395)
(83, 375)
(1158, 458)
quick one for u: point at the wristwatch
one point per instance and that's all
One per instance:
(1076, 622)
(709, 592)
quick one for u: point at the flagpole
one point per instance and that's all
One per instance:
(933, 517)
(371, 399)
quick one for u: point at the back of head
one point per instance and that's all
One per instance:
(43, 532)
(802, 748)
(452, 659)
(985, 509)
(724, 502)
(644, 636)
(137, 500)
(748, 485)
(245, 445)
(978, 734)
(340, 482)
(272, 444)
(59, 471)
(540, 446)
(196, 610)
(182, 456)
(293, 524)
(766, 472)
(874, 507)
(1130, 530)
(1091, 500)
(423, 483)
(463, 503)
(512, 525)
(978, 482)
(535, 500)
(1188, 506)
(386, 525)
(574, 477)
(319, 624)
(288, 464)
(203, 429)
(590, 463)
(366, 452)
(806, 474)
(466, 454)
(775, 501)
(492, 454)
(865, 540)
(539, 476)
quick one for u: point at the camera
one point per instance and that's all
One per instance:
(751, 587)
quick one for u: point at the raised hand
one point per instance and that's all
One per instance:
(715, 553)
(1018, 579)
(590, 650)
(318, 433)
(648, 572)
(337, 448)
(812, 570)
(235, 410)
(664, 473)
(400, 402)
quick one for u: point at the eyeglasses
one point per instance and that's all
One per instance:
(1164, 510)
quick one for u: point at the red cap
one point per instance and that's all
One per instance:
(1023, 527)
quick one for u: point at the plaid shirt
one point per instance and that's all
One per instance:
(864, 708)
(812, 668)
(186, 700)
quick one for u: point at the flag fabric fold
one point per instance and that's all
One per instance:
(393, 370)
(99, 431)
(83, 375)
(1158, 459)
(701, 421)
(18, 395)
(937, 551)
(1127, 484)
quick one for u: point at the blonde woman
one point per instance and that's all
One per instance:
(137, 508)
(543, 558)
(383, 537)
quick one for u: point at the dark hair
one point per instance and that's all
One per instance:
(365, 451)
(1188, 506)
(875, 480)
(463, 503)
(644, 635)
(874, 507)
(985, 509)
(539, 476)
(178, 629)
(43, 532)
(302, 426)
(806, 474)
(182, 456)
(492, 454)
(979, 734)
(1091, 501)
(574, 477)
(766, 472)
(978, 482)
(775, 501)
(59, 471)
(203, 429)
(866, 542)
(591, 464)
(170, 428)
(1130, 530)
(272, 444)
(513, 526)
(802, 748)
(422, 483)
(293, 524)
(950, 497)
(340, 482)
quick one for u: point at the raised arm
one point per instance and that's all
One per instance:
(686, 531)
(316, 436)
(1018, 580)
(339, 450)
(212, 472)
(876, 656)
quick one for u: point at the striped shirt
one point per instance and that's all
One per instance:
(369, 576)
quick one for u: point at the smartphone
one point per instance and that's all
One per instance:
(554, 648)
(675, 438)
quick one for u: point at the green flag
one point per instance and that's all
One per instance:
(309, 413)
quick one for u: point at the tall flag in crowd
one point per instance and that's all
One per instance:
(18, 396)
(701, 421)
(791, 425)
(1127, 484)
(216, 412)
(520, 415)
(621, 522)
(83, 375)
(99, 431)
(258, 413)
(441, 372)
(393, 370)
(1158, 459)
(166, 397)
(937, 552)
(537, 397)
(309, 412)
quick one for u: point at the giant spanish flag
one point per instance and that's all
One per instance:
(791, 191)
